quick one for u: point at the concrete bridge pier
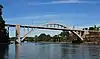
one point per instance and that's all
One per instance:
(85, 33)
(17, 42)
(81, 33)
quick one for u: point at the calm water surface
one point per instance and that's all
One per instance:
(55, 51)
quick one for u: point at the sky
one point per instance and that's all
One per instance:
(35, 12)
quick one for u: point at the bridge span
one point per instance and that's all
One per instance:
(78, 33)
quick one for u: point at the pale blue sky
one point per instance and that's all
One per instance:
(71, 12)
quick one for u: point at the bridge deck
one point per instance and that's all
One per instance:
(40, 27)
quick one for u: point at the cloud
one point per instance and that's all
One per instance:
(36, 19)
(46, 17)
(62, 2)
(30, 17)
(69, 18)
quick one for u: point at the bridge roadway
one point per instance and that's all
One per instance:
(40, 27)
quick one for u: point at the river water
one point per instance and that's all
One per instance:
(54, 51)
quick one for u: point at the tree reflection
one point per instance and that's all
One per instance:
(3, 51)
(94, 52)
(70, 51)
(64, 51)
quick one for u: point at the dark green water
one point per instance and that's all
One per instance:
(55, 51)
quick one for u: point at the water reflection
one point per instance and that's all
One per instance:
(94, 51)
(53, 51)
(3, 51)
(70, 51)
(57, 51)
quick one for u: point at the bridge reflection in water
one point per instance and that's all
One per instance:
(59, 51)
(50, 51)
(9, 51)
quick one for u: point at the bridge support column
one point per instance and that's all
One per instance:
(85, 33)
(80, 33)
(77, 32)
(17, 42)
(17, 34)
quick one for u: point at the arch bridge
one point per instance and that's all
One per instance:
(78, 33)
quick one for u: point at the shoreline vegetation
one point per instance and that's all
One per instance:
(93, 38)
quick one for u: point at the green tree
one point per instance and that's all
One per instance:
(94, 28)
(42, 37)
(91, 28)
(29, 39)
(48, 38)
(35, 38)
(55, 38)
(64, 35)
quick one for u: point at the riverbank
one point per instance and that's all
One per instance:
(54, 42)
(61, 42)
(90, 43)
(68, 42)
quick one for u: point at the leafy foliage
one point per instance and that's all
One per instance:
(94, 28)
